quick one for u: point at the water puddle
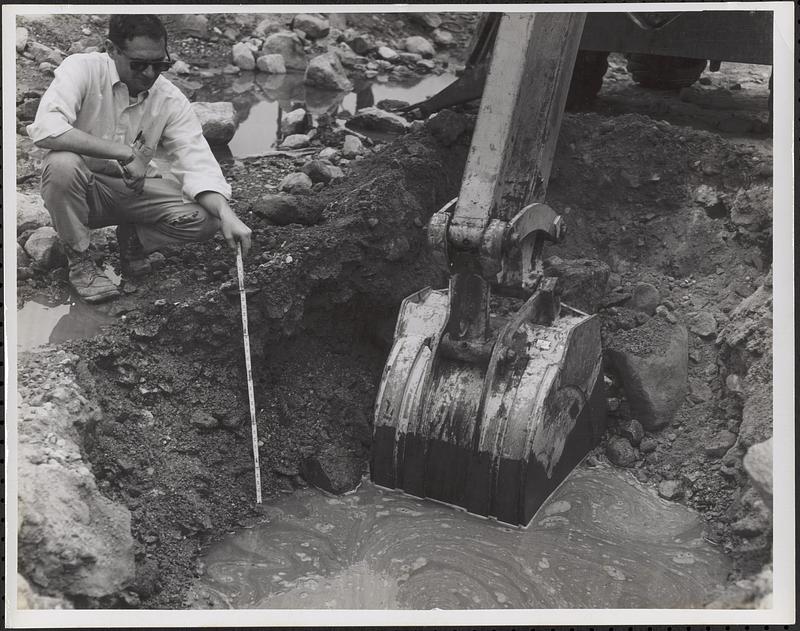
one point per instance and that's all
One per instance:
(44, 320)
(601, 541)
(261, 99)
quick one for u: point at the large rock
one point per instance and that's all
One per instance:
(758, 465)
(443, 38)
(218, 121)
(583, 281)
(271, 63)
(374, 119)
(419, 45)
(283, 209)
(31, 213)
(333, 470)
(45, 248)
(312, 24)
(243, 56)
(327, 73)
(652, 363)
(295, 122)
(290, 46)
(72, 540)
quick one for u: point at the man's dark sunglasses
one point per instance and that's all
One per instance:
(140, 65)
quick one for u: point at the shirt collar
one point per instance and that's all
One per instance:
(114, 76)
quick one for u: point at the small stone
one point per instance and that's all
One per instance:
(711, 201)
(703, 324)
(443, 38)
(375, 119)
(620, 452)
(352, 146)
(312, 24)
(327, 73)
(21, 39)
(296, 183)
(157, 260)
(419, 45)
(632, 430)
(295, 141)
(45, 248)
(389, 54)
(734, 384)
(322, 171)
(645, 298)
(360, 43)
(757, 463)
(231, 421)
(181, 67)
(204, 420)
(328, 153)
(218, 121)
(289, 46)
(669, 489)
(750, 526)
(271, 63)
(429, 20)
(295, 122)
(719, 445)
(243, 56)
(648, 444)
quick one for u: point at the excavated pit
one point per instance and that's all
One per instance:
(172, 440)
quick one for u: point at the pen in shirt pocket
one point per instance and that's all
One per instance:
(138, 142)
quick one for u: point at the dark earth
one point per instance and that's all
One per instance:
(171, 439)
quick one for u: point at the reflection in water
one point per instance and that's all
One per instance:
(602, 540)
(41, 322)
(258, 131)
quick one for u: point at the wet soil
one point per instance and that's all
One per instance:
(322, 301)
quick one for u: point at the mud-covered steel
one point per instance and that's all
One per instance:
(495, 439)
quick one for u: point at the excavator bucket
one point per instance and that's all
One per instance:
(488, 401)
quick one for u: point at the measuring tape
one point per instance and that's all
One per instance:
(253, 428)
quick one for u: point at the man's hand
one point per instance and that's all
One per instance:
(233, 229)
(133, 173)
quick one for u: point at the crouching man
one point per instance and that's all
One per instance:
(102, 118)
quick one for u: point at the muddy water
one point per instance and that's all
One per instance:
(257, 133)
(601, 540)
(43, 321)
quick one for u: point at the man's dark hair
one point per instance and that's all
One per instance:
(123, 28)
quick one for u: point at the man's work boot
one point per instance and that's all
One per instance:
(132, 258)
(88, 280)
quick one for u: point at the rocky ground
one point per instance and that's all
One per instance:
(146, 430)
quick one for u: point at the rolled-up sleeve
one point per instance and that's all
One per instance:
(60, 103)
(192, 160)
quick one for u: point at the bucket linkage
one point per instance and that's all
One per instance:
(477, 409)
